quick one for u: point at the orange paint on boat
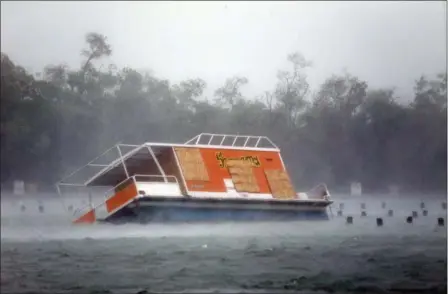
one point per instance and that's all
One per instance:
(121, 197)
(215, 162)
(87, 218)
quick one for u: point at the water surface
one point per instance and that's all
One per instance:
(44, 253)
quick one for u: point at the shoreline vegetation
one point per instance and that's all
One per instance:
(343, 132)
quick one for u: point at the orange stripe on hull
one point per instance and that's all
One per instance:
(121, 197)
(117, 201)
(87, 218)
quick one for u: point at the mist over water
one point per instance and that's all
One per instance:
(44, 252)
(55, 222)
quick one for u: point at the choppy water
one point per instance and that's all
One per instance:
(43, 253)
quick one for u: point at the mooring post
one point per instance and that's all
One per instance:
(349, 219)
(41, 207)
(379, 222)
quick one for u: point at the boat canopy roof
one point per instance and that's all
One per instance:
(139, 155)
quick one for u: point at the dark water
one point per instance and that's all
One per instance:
(42, 253)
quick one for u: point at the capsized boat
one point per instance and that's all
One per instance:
(211, 177)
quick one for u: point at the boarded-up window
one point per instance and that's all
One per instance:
(192, 164)
(280, 184)
(243, 177)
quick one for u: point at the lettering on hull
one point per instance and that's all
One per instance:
(223, 161)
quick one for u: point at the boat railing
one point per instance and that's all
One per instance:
(63, 195)
(80, 211)
(248, 141)
(108, 193)
(135, 179)
(139, 178)
(59, 185)
(155, 178)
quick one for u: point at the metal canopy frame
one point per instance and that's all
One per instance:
(197, 139)
(159, 166)
(193, 142)
(122, 159)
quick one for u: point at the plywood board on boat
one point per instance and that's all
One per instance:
(280, 184)
(243, 176)
(192, 164)
(247, 187)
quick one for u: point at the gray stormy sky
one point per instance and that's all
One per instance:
(386, 43)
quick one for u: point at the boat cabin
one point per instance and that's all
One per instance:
(203, 169)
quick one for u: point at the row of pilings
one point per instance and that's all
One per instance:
(390, 213)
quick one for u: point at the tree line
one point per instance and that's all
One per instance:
(345, 131)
